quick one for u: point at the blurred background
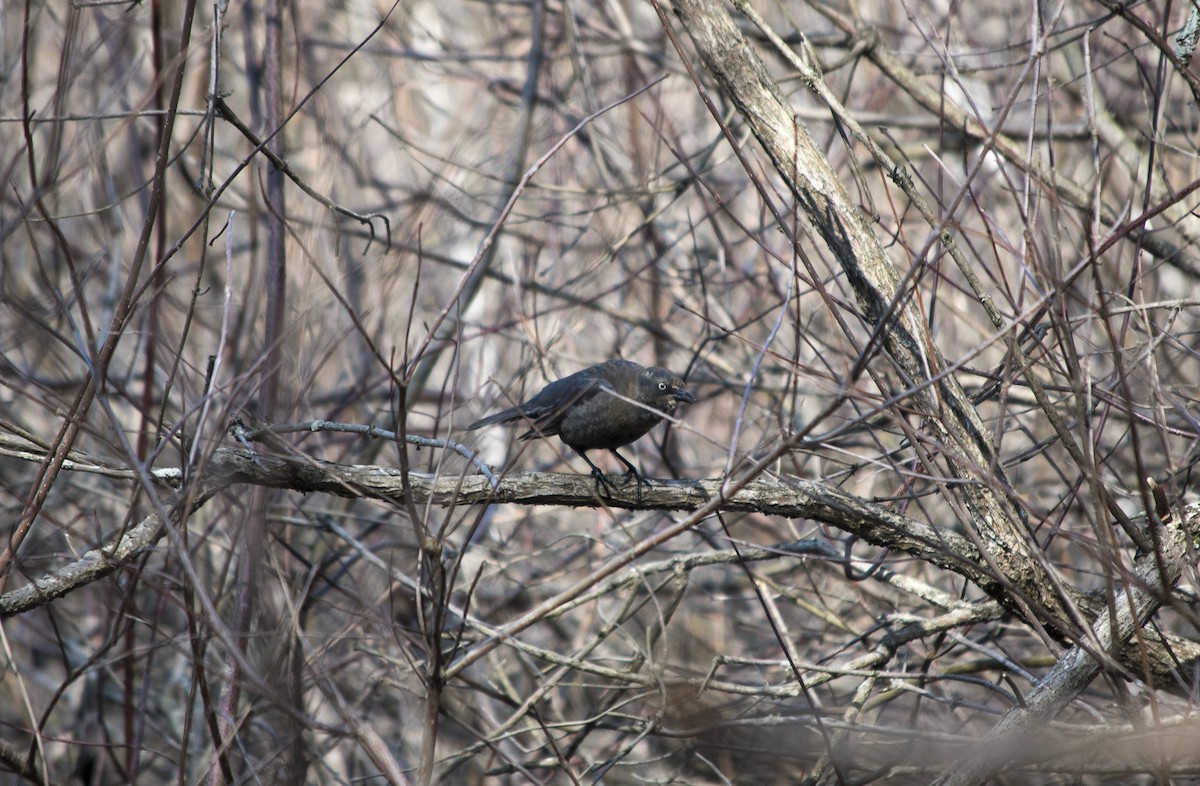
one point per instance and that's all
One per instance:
(471, 199)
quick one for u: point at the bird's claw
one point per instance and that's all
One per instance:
(640, 482)
(606, 483)
(603, 481)
(631, 475)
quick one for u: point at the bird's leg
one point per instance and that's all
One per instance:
(601, 478)
(631, 473)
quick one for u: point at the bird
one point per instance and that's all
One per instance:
(589, 410)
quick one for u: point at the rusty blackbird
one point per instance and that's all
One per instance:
(588, 410)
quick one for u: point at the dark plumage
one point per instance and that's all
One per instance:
(586, 413)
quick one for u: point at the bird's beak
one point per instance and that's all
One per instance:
(683, 394)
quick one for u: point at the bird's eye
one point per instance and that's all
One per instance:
(662, 385)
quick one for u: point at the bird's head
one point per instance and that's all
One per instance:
(659, 388)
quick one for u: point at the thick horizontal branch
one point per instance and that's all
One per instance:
(871, 521)
(798, 499)
(794, 499)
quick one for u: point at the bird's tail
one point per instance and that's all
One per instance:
(507, 416)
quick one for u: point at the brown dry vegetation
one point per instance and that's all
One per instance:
(930, 270)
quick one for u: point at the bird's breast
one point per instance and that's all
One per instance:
(605, 423)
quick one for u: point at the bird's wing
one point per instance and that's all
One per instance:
(548, 407)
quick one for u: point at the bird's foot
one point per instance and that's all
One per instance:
(633, 474)
(602, 482)
(605, 486)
